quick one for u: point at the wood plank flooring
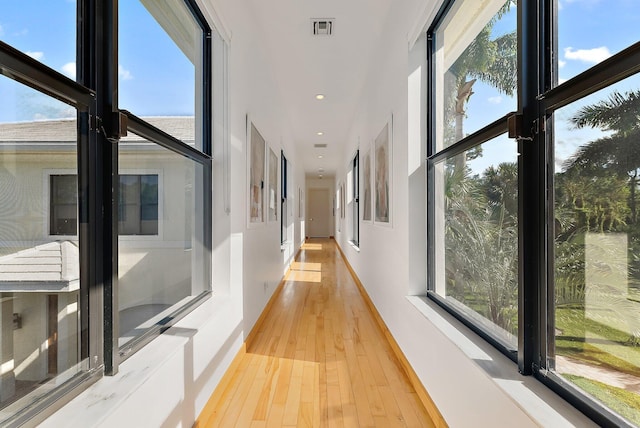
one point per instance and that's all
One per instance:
(317, 358)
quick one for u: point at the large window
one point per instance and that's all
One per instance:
(85, 183)
(284, 210)
(534, 240)
(355, 199)
(473, 168)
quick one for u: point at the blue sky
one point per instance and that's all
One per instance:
(589, 32)
(155, 77)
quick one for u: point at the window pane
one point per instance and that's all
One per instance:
(160, 66)
(160, 274)
(44, 30)
(40, 325)
(138, 206)
(597, 245)
(476, 54)
(476, 243)
(591, 31)
(64, 205)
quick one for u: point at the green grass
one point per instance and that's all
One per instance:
(623, 402)
(616, 353)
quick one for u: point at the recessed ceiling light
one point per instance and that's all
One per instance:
(320, 133)
(320, 157)
(320, 97)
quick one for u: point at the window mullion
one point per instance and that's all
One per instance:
(531, 185)
(98, 175)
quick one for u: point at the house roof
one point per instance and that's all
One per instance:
(51, 267)
(64, 130)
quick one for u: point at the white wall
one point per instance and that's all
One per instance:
(169, 381)
(472, 384)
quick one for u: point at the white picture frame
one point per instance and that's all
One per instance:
(256, 166)
(272, 187)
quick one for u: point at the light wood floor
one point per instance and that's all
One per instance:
(316, 359)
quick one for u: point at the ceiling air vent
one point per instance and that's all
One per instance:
(322, 26)
(319, 146)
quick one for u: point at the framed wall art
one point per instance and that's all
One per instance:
(382, 186)
(256, 160)
(272, 193)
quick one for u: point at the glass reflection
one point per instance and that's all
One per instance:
(597, 246)
(476, 54)
(162, 258)
(477, 235)
(40, 322)
(160, 63)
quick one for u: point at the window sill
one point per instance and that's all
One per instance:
(354, 246)
(537, 401)
(206, 337)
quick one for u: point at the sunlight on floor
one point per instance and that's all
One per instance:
(306, 266)
(305, 271)
(304, 276)
(311, 247)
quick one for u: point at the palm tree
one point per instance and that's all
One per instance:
(617, 153)
(481, 243)
(492, 61)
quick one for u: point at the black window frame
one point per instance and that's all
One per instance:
(18, 66)
(283, 197)
(126, 122)
(100, 124)
(355, 209)
(539, 95)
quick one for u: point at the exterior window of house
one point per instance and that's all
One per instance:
(138, 207)
(534, 239)
(137, 211)
(64, 205)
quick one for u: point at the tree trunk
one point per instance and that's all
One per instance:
(632, 196)
(464, 92)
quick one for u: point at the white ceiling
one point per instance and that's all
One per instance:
(336, 66)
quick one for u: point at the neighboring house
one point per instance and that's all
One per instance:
(39, 254)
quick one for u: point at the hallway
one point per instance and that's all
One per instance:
(317, 358)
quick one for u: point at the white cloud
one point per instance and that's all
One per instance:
(561, 80)
(36, 55)
(495, 100)
(69, 69)
(124, 74)
(592, 56)
(561, 63)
